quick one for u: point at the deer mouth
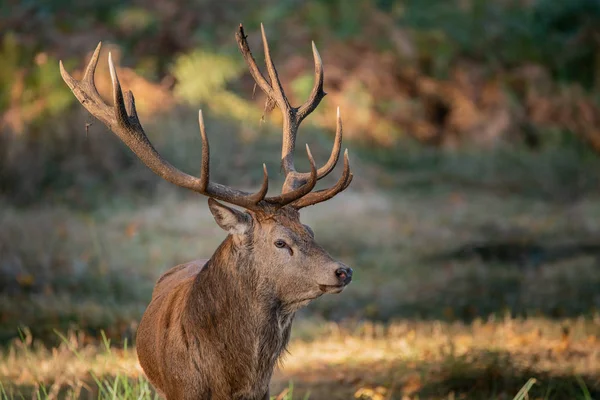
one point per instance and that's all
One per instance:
(332, 288)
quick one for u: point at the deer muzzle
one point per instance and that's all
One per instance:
(343, 276)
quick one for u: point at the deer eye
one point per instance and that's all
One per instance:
(280, 244)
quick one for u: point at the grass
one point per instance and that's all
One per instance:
(85, 272)
(422, 247)
(472, 288)
(456, 255)
(487, 359)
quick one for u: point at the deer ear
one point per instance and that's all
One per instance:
(230, 219)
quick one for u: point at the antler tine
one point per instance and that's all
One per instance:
(259, 196)
(205, 169)
(123, 120)
(250, 201)
(293, 195)
(335, 151)
(278, 93)
(85, 90)
(291, 116)
(317, 92)
(333, 157)
(254, 70)
(274, 91)
(130, 105)
(88, 76)
(326, 194)
(118, 99)
(290, 123)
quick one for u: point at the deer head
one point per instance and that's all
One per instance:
(268, 235)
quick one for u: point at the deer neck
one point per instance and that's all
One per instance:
(239, 312)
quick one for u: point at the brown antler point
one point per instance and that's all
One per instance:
(201, 121)
(69, 80)
(316, 54)
(308, 151)
(313, 166)
(111, 67)
(265, 43)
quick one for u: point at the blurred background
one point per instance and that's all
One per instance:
(472, 223)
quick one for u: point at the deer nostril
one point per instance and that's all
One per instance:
(343, 273)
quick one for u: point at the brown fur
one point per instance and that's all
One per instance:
(216, 328)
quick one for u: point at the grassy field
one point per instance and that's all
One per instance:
(425, 260)
(491, 359)
(443, 257)
(474, 271)
(435, 252)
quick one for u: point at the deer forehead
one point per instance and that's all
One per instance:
(285, 221)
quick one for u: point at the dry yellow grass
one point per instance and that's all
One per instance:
(403, 360)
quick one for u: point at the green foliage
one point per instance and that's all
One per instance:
(33, 92)
(200, 74)
(135, 20)
(339, 17)
(9, 52)
(302, 85)
(50, 87)
(557, 34)
(85, 11)
(202, 78)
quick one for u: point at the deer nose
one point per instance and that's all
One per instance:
(344, 274)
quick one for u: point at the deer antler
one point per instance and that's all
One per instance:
(292, 117)
(123, 120)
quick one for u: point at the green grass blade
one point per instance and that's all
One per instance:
(584, 389)
(105, 341)
(525, 389)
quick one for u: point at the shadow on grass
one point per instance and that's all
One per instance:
(476, 375)
(523, 253)
(496, 375)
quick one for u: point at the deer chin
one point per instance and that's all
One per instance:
(295, 305)
(332, 289)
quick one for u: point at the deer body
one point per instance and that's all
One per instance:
(215, 328)
(232, 354)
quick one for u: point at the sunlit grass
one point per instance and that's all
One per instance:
(405, 360)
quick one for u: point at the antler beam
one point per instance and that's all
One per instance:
(124, 122)
(122, 119)
(293, 116)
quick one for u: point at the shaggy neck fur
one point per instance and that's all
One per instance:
(239, 313)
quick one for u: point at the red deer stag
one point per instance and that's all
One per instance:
(215, 328)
